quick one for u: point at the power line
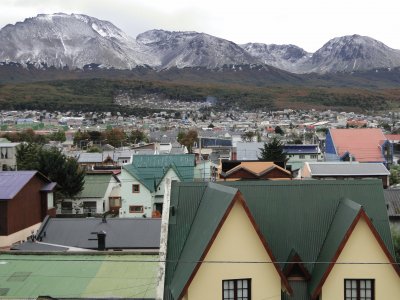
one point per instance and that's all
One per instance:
(199, 261)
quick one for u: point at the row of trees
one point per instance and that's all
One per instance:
(54, 165)
(29, 136)
(115, 137)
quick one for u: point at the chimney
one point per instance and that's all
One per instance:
(101, 240)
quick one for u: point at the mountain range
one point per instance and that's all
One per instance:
(77, 41)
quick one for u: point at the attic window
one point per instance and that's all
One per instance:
(135, 188)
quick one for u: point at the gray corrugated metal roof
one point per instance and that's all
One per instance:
(348, 169)
(122, 233)
(392, 198)
(37, 247)
(11, 182)
(248, 151)
(91, 158)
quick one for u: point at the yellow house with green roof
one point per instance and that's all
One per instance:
(298, 240)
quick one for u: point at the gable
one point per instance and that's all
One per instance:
(289, 215)
(368, 260)
(95, 185)
(236, 242)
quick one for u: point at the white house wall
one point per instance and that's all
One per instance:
(128, 198)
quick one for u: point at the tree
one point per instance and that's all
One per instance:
(80, 137)
(27, 156)
(94, 149)
(95, 136)
(187, 139)
(54, 165)
(115, 137)
(394, 177)
(248, 136)
(279, 130)
(272, 151)
(58, 136)
(137, 136)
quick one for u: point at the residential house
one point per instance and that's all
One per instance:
(323, 240)
(247, 151)
(345, 170)
(362, 144)
(91, 161)
(26, 197)
(81, 234)
(100, 194)
(392, 198)
(250, 170)
(142, 182)
(297, 155)
(8, 153)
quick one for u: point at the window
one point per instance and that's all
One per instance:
(302, 156)
(89, 207)
(66, 207)
(135, 188)
(136, 209)
(236, 289)
(313, 156)
(359, 289)
(115, 201)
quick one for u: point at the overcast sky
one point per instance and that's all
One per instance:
(305, 23)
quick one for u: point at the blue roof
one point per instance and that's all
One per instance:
(11, 182)
(301, 149)
(216, 142)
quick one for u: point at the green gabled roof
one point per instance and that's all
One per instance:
(151, 177)
(151, 169)
(345, 216)
(163, 160)
(198, 232)
(95, 185)
(290, 215)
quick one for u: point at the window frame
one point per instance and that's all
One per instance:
(138, 188)
(235, 288)
(133, 211)
(358, 289)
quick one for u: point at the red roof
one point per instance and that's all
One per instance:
(363, 143)
(393, 137)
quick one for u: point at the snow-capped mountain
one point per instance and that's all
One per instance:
(73, 40)
(352, 53)
(77, 40)
(192, 49)
(285, 57)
